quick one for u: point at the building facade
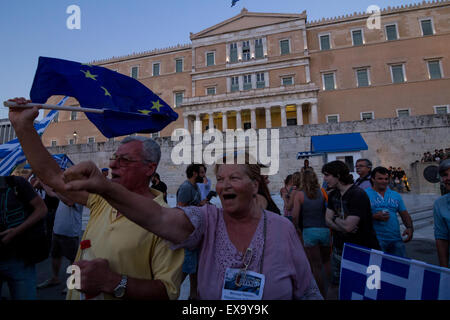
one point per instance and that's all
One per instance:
(267, 70)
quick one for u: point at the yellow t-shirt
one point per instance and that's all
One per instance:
(130, 249)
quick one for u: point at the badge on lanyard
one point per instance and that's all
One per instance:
(239, 286)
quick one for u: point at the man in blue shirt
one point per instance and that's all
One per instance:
(441, 212)
(205, 185)
(385, 203)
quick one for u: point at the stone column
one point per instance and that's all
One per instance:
(238, 119)
(239, 50)
(268, 118)
(314, 116)
(252, 49)
(197, 117)
(299, 115)
(283, 116)
(253, 118)
(224, 121)
(211, 120)
(186, 122)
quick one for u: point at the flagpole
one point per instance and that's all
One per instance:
(10, 104)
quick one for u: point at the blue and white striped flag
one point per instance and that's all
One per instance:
(368, 274)
(12, 153)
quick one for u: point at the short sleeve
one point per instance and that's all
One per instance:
(440, 227)
(401, 204)
(166, 266)
(358, 203)
(197, 216)
(184, 194)
(332, 202)
(25, 189)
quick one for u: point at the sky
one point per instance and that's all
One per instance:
(30, 28)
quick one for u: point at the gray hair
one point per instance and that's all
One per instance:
(151, 151)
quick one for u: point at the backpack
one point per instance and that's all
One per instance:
(32, 245)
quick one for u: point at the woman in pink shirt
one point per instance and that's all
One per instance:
(245, 252)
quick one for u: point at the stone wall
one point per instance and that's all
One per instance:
(397, 142)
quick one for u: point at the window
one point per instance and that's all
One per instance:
(287, 81)
(291, 122)
(367, 115)
(259, 50)
(155, 135)
(234, 84)
(362, 76)
(391, 32)
(211, 91)
(247, 82)
(328, 81)
(210, 59)
(233, 52)
(333, 118)
(441, 109)
(178, 98)
(260, 81)
(357, 36)
(156, 69)
(284, 47)
(73, 115)
(398, 75)
(179, 65)
(402, 113)
(325, 42)
(134, 72)
(246, 50)
(348, 161)
(91, 140)
(434, 69)
(427, 27)
(71, 141)
(54, 143)
(247, 125)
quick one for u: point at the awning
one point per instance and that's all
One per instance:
(338, 143)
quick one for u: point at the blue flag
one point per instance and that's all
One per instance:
(233, 2)
(129, 106)
(368, 274)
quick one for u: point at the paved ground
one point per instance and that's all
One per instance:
(422, 248)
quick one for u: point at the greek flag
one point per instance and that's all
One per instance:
(12, 153)
(368, 274)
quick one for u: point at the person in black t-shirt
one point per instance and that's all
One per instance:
(159, 185)
(21, 209)
(348, 214)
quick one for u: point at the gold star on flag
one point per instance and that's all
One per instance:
(146, 112)
(106, 92)
(89, 75)
(157, 105)
(86, 64)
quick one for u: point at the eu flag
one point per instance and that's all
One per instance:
(129, 106)
(233, 2)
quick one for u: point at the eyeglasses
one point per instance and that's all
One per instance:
(122, 161)
(243, 272)
(360, 166)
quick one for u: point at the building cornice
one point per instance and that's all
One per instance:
(384, 12)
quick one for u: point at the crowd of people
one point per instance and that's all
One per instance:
(438, 155)
(247, 249)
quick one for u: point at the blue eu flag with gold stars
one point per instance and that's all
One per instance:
(129, 106)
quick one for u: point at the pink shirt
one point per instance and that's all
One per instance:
(286, 268)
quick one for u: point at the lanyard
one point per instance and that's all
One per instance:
(240, 279)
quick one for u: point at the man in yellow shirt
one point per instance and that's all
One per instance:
(131, 262)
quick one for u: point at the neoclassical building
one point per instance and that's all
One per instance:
(267, 70)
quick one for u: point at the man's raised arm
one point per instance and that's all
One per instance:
(43, 164)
